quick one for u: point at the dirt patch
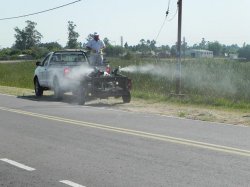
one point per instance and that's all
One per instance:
(189, 112)
(138, 105)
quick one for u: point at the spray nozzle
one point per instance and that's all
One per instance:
(116, 70)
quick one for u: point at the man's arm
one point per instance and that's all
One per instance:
(89, 48)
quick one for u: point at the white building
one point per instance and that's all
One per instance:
(200, 53)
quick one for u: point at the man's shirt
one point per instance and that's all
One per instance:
(96, 45)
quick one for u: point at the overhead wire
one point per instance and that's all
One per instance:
(167, 12)
(31, 14)
(173, 15)
(158, 34)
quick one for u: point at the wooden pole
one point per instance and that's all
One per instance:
(178, 64)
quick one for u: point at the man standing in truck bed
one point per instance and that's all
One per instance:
(96, 46)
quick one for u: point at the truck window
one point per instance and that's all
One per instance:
(55, 59)
(74, 58)
(45, 61)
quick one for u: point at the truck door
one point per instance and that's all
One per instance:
(42, 71)
(45, 72)
(51, 69)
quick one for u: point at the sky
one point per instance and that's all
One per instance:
(226, 21)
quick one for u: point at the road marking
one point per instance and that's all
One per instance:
(19, 165)
(203, 145)
(70, 183)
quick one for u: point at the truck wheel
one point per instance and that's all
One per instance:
(57, 90)
(126, 98)
(38, 88)
(81, 96)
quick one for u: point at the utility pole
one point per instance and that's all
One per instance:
(184, 48)
(122, 41)
(178, 64)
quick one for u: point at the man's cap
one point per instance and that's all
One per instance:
(96, 34)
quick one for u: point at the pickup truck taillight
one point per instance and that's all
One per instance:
(129, 84)
(66, 71)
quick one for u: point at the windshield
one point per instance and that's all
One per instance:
(69, 57)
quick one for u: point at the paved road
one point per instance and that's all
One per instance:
(48, 143)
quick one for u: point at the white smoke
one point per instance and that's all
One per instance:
(79, 73)
(156, 70)
(73, 77)
(191, 77)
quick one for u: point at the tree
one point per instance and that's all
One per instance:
(114, 50)
(126, 45)
(233, 48)
(152, 45)
(106, 41)
(51, 46)
(142, 42)
(72, 36)
(203, 44)
(244, 52)
(173, 51)
(89, 37)
(28, 37)
(184, 47)
(216, 47)
(196, 46)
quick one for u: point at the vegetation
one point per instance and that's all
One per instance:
(28, 37)
(72, 36)
(28, 43)
(17, 74)
(244, 52)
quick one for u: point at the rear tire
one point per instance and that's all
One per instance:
(57, 90)
(38, 88)
(81, 95)
(126, 98)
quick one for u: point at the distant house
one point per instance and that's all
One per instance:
(233, 56)
(200, 53)
(164, 54)
(24, 57)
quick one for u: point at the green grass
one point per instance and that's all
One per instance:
(17, 74)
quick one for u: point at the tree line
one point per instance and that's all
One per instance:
(28, 42)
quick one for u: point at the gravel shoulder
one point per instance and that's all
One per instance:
(195, 112)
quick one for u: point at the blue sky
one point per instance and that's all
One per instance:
(226, 21)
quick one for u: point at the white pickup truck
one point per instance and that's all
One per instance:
(70, 71)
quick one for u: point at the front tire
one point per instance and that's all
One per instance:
(126, 98)
(38, 88)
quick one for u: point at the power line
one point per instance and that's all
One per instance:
(26, 15)
(167, 12)
(168, 7)
(173, 15)
(165, 19)
(159, 32)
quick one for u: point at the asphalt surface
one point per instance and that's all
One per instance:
(49, 143)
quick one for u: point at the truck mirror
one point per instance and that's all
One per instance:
(38, 63)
